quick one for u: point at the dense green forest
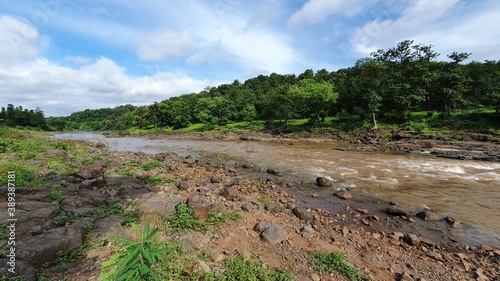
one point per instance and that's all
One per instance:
(390, 85)
(14, 116)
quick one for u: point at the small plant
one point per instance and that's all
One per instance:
(241, 268)
(335, 261)
(183, 218)
(151, 166)
(138, 258)
(157, 180)
(54, 193)
(265, 199)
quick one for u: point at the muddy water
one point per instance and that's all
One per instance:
(466, 190)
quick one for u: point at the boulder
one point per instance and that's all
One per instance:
(93, 171)
(159, 203)
(261, 225)
(274, 234)
(184, 185)
(346, 195)
(230, 194)
(22, 268)
(321, 181)
(273, 207)
(398, 210)
(411, 239)
(302, 214)
(429, 216)
(30, 214)
(44, 247)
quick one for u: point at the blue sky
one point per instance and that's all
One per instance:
(66, 55)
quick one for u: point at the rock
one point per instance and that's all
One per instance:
(315, 195)
(302, 214)
(452, 222)
(22, 268)
(159, 203)
(274, 172)
(44, 247)
(376, 235)
(435, 255)
(248, 207)
(36, 230)
(93, 171)
(405, 277)
(479, 275)
(321, 181)
(398, 210)
(315, 277)
(291, 206)
(343, 195)
(230, 194)
(486, 248)
(56, 153)
(216, 179)
(261, 225)
(200, 211)
(273, 207)
(30, 214)
(429, 216)
(467, 265)
(184, 185)
(411, 239)
(274, 234)
(307, 231)
(363, 211)
(396, 236)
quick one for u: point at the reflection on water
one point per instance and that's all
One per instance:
(466, 190)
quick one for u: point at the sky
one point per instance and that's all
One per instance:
(65, 56)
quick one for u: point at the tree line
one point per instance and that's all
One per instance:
(14, 116)
(390, 83)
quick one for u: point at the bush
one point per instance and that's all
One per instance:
(330, 262)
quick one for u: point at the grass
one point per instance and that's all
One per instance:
(265, 199)
(110, 207)
(157, 180)
(184, 219)
(151, 166)
(335, 261)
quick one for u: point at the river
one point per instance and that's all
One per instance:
(464, 189)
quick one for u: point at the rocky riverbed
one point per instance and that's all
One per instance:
(385, 240)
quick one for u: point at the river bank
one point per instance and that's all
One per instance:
(383, 240)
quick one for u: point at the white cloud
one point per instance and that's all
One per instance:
(77, 59)
(316, 11)
(418, 18)
(160, 45)
(20, 41)
(61, 90)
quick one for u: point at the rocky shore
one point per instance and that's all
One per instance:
(385, 240)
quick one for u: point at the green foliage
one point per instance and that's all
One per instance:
(109, 208)
(183, 219)
(14, 116)
(138, 256)
(335, 261)
(157, 180)
(151, 166)
(241, 268)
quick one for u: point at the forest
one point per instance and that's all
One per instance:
(393, 86)
(14, 116)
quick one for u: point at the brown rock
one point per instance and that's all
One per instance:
(398, 210)
(486, 248)
(363, 211)
(343, 195)
(321, 181)
(411, 239)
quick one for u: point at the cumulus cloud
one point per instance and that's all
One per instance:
(20, 41)
(316, 11)
(62, 90)
(418, 18)
(160, 45)
(77, 59)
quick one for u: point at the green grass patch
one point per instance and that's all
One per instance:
(265, 199)
(185, 219)
(157, 180)
(151, 166)
(335, 261)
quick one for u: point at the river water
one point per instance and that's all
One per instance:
(466, 190)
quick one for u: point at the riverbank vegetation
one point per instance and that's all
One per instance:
(404, 86)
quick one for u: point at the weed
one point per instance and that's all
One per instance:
(265, 199)
(157, 180)
(241, 268)
(151, 166)
(183, 219)
(136, 262)
(55, 193)
(335, 261)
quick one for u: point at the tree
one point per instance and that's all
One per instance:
(314, 97)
